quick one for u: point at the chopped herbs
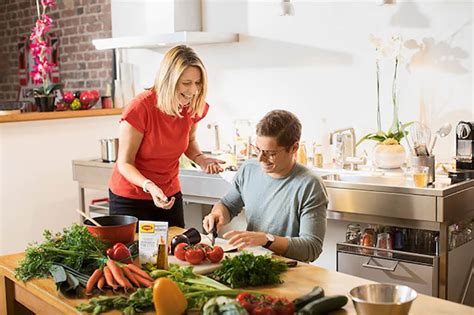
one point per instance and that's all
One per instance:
(248, 269)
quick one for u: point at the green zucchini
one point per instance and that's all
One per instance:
(315, 294)
(324, 305)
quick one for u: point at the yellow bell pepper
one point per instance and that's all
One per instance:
(168, 298)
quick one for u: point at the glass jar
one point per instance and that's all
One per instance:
(368, 238)
(353, 234)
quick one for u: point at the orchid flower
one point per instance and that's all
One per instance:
(387, 50)
(40, 49)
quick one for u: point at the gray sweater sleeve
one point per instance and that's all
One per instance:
(307, 246)
(233, 199)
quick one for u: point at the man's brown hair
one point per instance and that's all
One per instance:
(282, 125)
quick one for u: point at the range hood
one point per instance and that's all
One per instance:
(159, 23)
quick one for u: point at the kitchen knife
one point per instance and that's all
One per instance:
(213, 234)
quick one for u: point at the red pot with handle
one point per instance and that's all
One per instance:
(114, 229)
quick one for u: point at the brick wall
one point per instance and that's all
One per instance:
(77, 23)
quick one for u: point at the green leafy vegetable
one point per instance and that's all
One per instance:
(138, 302)
(248, 269)
(197, 289)
(75, 248)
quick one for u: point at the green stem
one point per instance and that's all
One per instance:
(38, 8)
(73, 253)
(227, 292)
(395, 123)
(379, 122)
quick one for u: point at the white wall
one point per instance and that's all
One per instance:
(320, 64)
(36, 187)
(317, 63)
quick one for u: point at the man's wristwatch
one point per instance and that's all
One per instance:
(270, 241)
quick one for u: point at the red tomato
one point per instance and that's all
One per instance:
(180, 251)
(248, 301)
(194, 255)
(263, 310)
(215, 254)
(110, 252)
(284, 307)
(117, 245)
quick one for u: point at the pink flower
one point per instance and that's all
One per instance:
(46, 20)
(40, 49)
(48, 3)
(36, 76)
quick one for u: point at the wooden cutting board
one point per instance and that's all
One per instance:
(207, 267)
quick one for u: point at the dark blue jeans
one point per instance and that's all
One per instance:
(145, 210)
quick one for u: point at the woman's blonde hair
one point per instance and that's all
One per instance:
(175, 61)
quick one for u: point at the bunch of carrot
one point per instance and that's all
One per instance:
(117, 275)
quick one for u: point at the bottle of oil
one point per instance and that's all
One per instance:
(318, 155)
(162, 255)
(301, 156)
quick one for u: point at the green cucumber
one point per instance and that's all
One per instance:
(324, 305)
(315, 294)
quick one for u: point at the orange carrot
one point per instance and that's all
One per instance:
(145, 282)
(117, 273)
(130, 275)
(93, 280)
(101, 282)
(139, 271)
(109, 278)
(128, 285)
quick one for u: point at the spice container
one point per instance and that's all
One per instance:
(368, 238)
(353, 234)
(384, 241)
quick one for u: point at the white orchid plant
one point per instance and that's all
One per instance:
(389, 50)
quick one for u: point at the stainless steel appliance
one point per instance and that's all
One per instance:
(109, 149)
(464, 152)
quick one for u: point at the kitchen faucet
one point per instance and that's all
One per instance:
(345, 150)
(340, 131)
(217, 143)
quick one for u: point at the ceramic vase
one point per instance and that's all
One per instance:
(389, 155)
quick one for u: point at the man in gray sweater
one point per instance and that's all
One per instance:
(285, 202)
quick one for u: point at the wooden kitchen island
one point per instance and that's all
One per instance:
(40, 296)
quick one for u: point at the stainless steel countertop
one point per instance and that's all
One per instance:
(440, 188)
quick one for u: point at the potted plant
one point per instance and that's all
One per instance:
(40, 48)
(388, 152)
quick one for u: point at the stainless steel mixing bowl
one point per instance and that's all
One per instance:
(382, 299)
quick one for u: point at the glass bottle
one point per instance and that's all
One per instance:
(301, 156)
(318, 155)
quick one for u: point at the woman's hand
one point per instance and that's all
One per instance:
(243, 239)
(159, 198)
(208, 164)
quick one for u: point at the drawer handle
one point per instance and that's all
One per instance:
(368, 265)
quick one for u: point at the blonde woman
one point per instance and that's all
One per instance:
(155, 129)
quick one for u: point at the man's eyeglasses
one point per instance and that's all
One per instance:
(268, 154)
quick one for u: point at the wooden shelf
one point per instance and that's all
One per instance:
(59, 115)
